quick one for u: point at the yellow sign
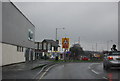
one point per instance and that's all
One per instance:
(65, 43)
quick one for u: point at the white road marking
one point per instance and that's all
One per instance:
(92, 64)
(90, 67)
(104, 77)
(40, 71)
(95, 72)
(47, 71)
(42, 75)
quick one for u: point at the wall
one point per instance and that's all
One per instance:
(11, 55)
(16, 26)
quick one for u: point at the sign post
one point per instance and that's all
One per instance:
(65, 45)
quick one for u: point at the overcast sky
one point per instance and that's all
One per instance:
(94, 22)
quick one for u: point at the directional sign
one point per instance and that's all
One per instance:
(65, 43)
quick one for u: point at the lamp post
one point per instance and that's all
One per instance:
(57, 33)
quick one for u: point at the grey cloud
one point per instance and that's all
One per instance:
(92, 21)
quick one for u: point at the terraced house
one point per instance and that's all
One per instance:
(18, 35)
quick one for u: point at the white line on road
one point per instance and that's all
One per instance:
(39, 72)
(105, 78)
(95, 72)
(90, 67)
(47, 71)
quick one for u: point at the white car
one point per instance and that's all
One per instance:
(112, 59)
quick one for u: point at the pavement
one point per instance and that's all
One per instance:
(23, 70)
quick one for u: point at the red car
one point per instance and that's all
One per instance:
(85, 58)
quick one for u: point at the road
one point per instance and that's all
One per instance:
(113, 73)
(80, 71)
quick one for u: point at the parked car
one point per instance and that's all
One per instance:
(85, 58)
(111, 59)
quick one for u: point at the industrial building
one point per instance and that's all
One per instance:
(18, 35)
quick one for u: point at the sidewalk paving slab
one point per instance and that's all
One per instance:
(22, 70)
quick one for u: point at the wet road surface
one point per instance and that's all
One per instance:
(71, 71)
(82, 71)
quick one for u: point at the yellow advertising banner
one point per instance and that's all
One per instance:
(65, 43)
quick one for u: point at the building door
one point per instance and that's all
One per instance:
(31, 54)
(27, 51)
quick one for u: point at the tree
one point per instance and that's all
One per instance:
(114, 48)
(76, 52)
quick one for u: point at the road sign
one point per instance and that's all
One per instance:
(65, 43)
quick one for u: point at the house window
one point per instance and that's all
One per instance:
(40, 46)
(49, 46)
(36, 45)
(44, 46)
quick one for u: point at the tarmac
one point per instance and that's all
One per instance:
(23, 70)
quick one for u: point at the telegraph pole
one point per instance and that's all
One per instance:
(57, 32)
(79, 40)
(92, 48)
(107, 45)
(96, 46)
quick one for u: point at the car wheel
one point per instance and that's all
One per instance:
(106, 67)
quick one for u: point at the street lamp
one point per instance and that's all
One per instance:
(56, 32)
